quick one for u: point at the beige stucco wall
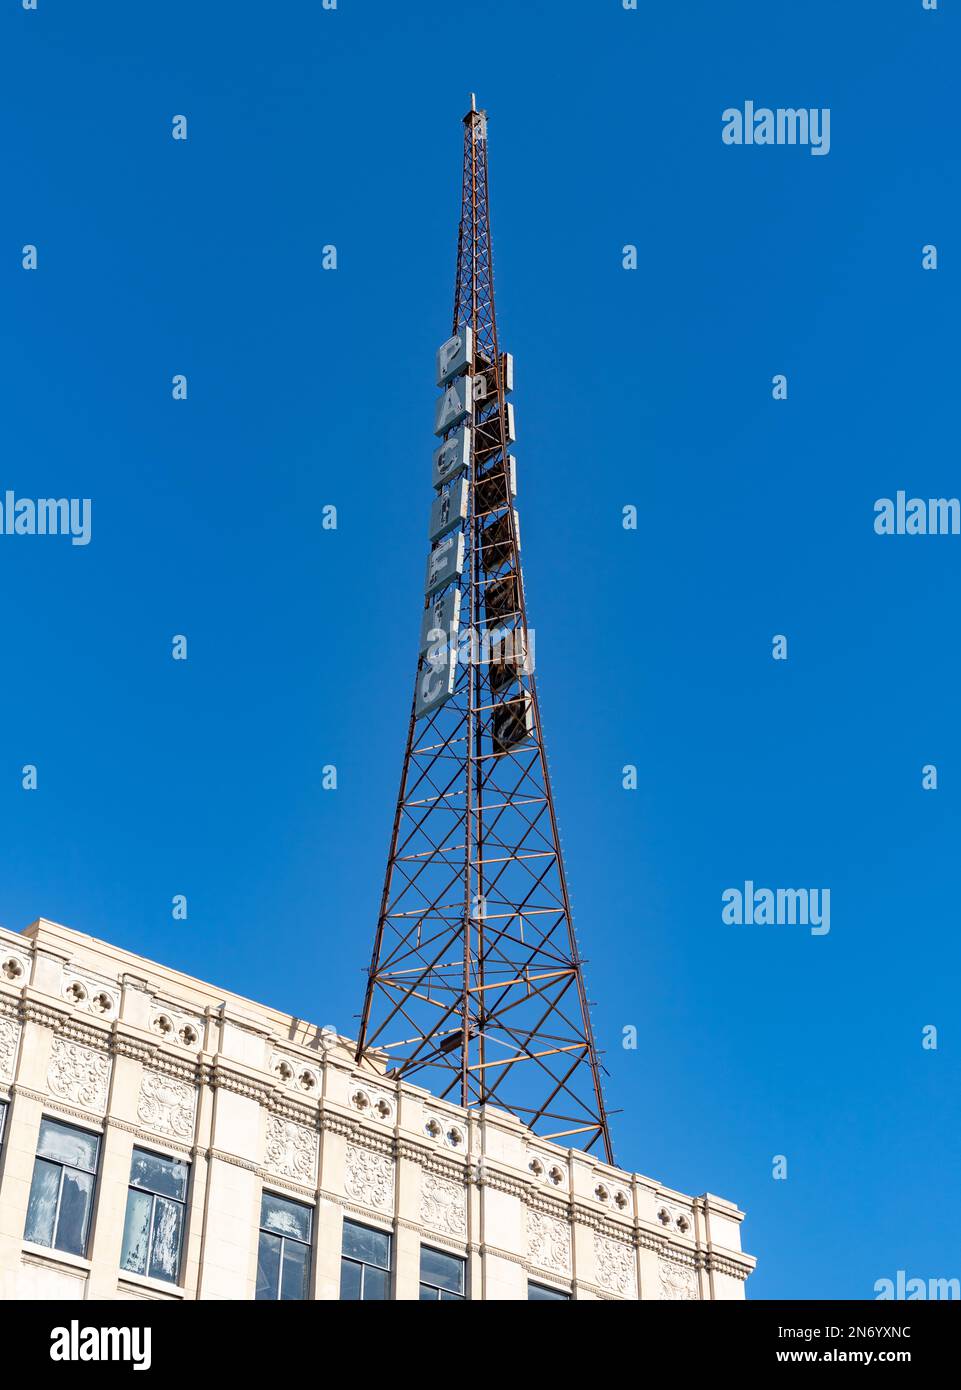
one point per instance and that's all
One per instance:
(254, 1099)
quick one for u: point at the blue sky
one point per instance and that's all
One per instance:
(650, 388)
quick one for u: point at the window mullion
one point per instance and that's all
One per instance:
(150, 1230)
(56, 1214)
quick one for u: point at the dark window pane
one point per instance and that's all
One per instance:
(361, 1243)
(446, 1297)
(136, 1232)
(294, 1273)
(538, 1291)
(268, 1266)
(350, 1274)
(427, 1292)
(376, 1282)
(65, 1144)
(287, 1218)
(75, 1198)
(444, 1270)
(42, 1207)
(168, 1176)
(167, 1232)
(350, 1280)
(3, 1117)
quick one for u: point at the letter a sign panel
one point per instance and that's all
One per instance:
(454, 405)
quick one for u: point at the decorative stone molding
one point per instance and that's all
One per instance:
(547, 1171)
(10, 1031)
(644, 1241)
(95, 996)
(291, 1150)
(156, 1059)
(225, 1078)
(433, 1161)
(50, 1102)
(357, 1134)
(14, 967)
(443, 1205)
(222, 1156)
(123, 1045)
(80, 1075)
(677, 1280)
(332, 1123)
(78, 1030)
(445, 1130)
(373, 1105)
(46, 1015)
(175, 1027)
(510, 1256)
(549, 1242)
(614, 1262)
(166, 1105)
(485, 1176)
(606, 1224)
(616, 1198)
(369, 1178)
(720, 1265)
(188, 1149)
(559, 1210)
(296, 1075)
(290, 1108)
(673, 1218)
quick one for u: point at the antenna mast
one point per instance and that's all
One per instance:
(475, 989)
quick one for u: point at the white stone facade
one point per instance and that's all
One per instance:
(255, 1101)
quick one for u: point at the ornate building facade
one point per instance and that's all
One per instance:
(163, 1139)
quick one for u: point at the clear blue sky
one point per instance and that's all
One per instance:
(654, 647)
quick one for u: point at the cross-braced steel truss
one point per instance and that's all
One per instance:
(475, 989)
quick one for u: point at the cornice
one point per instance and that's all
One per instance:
(87, 1035)
(728, 1264)
(454, 1170)
(691, 1259)
(429, 1236)
(557, 1208)
(223, 1077)
(234, 1160)
(500, 1182)
(49, 1102)
(279, 1103)
(356, 1132)
(366, 1214)
(151, 1140)
(46, 1014)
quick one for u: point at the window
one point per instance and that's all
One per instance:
(61, 1195)
(3, 1118)
(283, 1259)
(365, 1263)
(154, 1226)
(542, 1292)
(441, 1276)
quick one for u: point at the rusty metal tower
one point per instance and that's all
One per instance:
(475, 989)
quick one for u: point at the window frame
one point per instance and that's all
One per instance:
(364, 1265)
(308, 1245)
(182, 1202)
(93, 1173)
(438, 1293)
(553, 1295)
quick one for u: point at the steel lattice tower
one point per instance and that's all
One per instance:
(475, 989)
